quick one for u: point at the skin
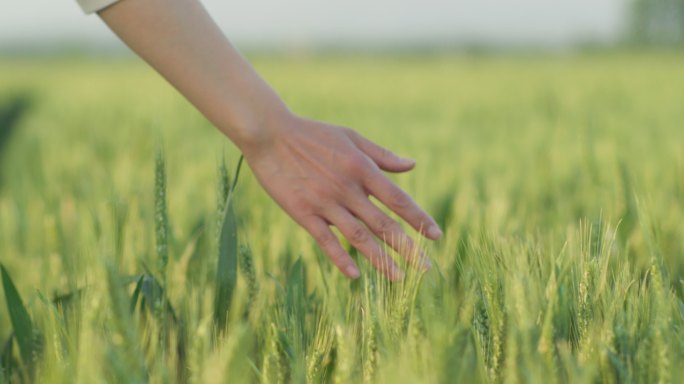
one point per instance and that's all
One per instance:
(320, 174)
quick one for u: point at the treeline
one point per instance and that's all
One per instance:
(657, 22)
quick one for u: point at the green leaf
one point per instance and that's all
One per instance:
(296, 285)
(19, 317)
(6, 360)
(154, 295)
(65, 299)
(226, 272)
(136, 293)
(126, 280)
(237, 173)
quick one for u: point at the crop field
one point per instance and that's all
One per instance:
(130, 254)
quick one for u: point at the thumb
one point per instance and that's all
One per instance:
(383, 157)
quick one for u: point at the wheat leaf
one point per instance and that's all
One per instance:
(19, 317)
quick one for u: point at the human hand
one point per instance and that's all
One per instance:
(322, 175)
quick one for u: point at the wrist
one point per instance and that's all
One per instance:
(250, 134)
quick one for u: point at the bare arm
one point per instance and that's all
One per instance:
(320, 174)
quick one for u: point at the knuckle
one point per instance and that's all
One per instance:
(308, 206)
(350, 132)
(317, 197)
(300, 206)
(355, 163)
(318, 193)
(358, 235)
(354, 192)
(399, 200)
(335, 256)
(385, 225)
(349, 187)
(325, 239)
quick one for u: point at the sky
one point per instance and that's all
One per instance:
(311, 23)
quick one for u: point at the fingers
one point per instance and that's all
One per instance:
(387, 229)
(383, 157)
(331, 247)
(361, 238)
(391, 195)
(402, 204)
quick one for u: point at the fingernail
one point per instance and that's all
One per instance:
(434, 232)
(409, 161)
(352, 271)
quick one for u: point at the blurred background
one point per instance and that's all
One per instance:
(549, 142)
(301, 25)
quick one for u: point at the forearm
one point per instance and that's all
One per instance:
(180, 40)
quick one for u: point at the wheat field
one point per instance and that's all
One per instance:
(132, 251)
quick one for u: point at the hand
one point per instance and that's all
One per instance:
(323, 175)
(320, 174)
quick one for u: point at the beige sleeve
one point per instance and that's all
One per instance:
(90, 6)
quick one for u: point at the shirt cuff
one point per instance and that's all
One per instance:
(90, 6)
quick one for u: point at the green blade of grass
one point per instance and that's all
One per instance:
(154, 295)
(127, 350)
(65, 299)
(19, 317)
(6, 359)
(226, 272)
(237, 173)
(136, 293)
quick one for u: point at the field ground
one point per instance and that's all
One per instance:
(559, 182)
